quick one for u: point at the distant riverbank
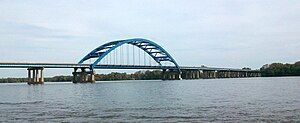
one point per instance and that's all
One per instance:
(280, 69)
(139, 75)
(268, 70)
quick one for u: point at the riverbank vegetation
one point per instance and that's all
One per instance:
(139, 75)
(280, 69)
(268, 70)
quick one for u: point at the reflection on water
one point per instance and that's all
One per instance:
(241, 100)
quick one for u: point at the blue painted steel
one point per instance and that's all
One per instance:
(148, 46)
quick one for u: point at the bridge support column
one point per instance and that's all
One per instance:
(246, 74)
(251, 74)
(219, 74)
(212, 74)
(197, 74)
(29, 76)
(35, 76)
(233, 74)
(191, 75)
(186, 74)
(205, 74)
(208, 74)
(178, 76)
(171, 75)
(223, 74)
(216, 74)
(226, 74)
(238, 75)
(42, 76)
(243, 74)
(83, 76)
(201, 74)
(163, 74)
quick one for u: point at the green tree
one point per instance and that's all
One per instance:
(279, 69)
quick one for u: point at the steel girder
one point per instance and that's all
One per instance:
(154, 50)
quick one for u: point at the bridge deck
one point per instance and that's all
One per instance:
(104, 66)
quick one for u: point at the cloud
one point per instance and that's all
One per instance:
(215, 33)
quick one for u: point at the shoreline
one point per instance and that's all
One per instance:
(116, 81)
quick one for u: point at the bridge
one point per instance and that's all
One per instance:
(130, 54)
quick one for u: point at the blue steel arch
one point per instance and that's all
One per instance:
(154, 50)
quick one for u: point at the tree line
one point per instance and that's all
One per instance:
(280, 69)
(139, 75)
(268, 70)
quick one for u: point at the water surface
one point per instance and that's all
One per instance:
(216, 100)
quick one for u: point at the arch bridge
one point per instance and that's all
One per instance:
(134, 53)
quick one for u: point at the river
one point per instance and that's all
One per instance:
(204, 100)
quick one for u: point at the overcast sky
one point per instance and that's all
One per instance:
(225, 33)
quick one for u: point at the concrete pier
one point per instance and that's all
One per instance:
(35, 76)
(171, 75)
(213, 74)
(209, 74)
(83, 76)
